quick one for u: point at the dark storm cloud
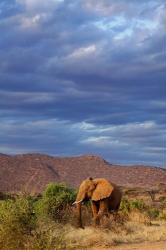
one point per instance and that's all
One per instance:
(84, 77)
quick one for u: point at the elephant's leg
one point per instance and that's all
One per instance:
(115, 215)
(102, 210)
(115, 212)
(94, 210)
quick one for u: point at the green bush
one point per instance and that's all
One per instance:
(5, 196)
(162, 214)
(153, 213)
(164, 203)
(55, 199)
(125, 205)
(128, 205)
(49, 236)
(137, 204)
(17, 220)
(23, 224)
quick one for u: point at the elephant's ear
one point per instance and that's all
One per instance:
(103, 189)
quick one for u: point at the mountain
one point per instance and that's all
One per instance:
(32, 172)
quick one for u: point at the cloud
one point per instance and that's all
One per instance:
(95, 68)
(130, 143)
(144, 141)
(39, 5)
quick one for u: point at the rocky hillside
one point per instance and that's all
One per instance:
(31, 172)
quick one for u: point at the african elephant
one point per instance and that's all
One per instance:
(105, 197)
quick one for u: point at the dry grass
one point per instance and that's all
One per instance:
(128, 228)
(139, 217)
(131, 232)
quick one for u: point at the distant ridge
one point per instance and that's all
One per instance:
(32, 172)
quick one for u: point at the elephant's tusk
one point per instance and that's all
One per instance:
(76, 202)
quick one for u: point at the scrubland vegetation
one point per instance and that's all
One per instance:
(48, 222)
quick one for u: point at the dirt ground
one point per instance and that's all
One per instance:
(161, 245)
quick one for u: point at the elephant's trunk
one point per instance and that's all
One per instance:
(79, 199)
(79, 214)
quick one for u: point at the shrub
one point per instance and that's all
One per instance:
(125, 205)
(129, 205)
(153, 213)
(22, 225)
(49, 236)
(5, 196)
(137, 204)
(55, 199)
(162, 214)
(17, 221)
(164, 203)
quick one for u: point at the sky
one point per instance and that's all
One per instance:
(84, 77)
